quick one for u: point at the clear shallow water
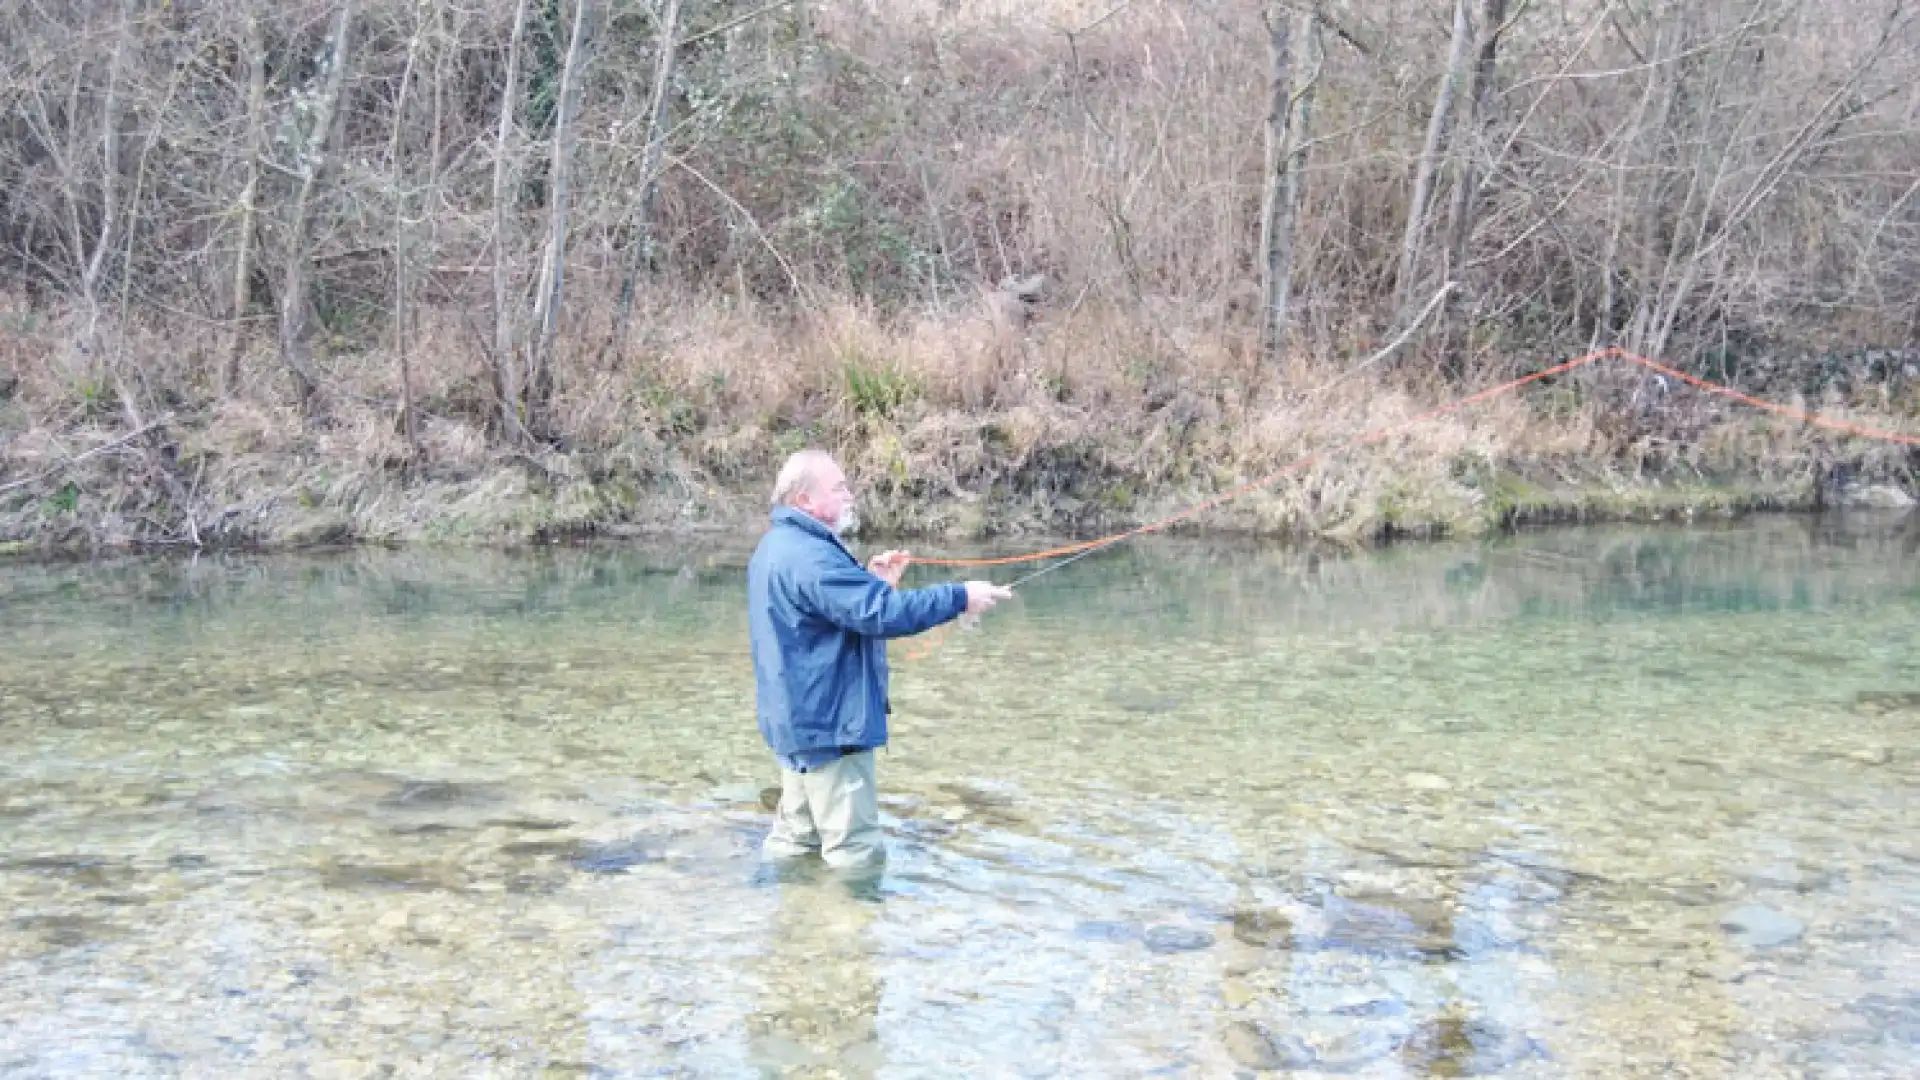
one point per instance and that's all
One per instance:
(1580, 803)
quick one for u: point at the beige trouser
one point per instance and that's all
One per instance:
(833, 810)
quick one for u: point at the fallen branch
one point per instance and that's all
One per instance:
(793, 279)
(78, 458)
(1395, 345)
(726, 26)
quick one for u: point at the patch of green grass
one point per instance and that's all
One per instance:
(64, 501)
(875, 389)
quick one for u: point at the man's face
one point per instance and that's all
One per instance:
(829, 500)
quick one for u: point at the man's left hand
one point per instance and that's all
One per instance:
(889, 566)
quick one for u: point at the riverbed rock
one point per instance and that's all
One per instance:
(534, 849)
(1106, 930)
(1875, 702)
(1355, 1050)
(1176, 939)
(1388, 926)
(1370, 1006)
(1456, 1046)
(1252, 1047)
(742, 793)
(65, 931)
(1146, 702)
(1876, 497)
(528, 824)
(417, 794)
(1759, 927)
(401, 877)
(1789, 877)
(616, 857)
(1894, 1017)
(1424, 781)
(1262, 928)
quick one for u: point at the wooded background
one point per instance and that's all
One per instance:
(511, 224)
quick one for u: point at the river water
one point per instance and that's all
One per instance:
(1611, 802)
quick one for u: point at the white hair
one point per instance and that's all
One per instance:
(798, 475)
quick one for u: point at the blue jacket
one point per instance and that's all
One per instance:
(819, 624)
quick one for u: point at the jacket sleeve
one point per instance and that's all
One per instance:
(856, 601)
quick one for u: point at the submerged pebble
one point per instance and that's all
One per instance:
(1176, 939)
(1251, 1046)
(1759, 927)
(1453, 1046)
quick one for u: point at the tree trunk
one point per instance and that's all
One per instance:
(641, 257)
(1637, 148)
(397, 179)
(96, 263)
(1407, 285)
(1469, 138)
(1673, 40)
(1294, 74)
(256, 61)
(1460, 211)
(546, 311)
(1276, 216)
(436, 164)
(294, 302)
(506, 387)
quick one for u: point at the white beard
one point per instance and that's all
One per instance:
(847, 522)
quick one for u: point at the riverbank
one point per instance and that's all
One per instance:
(1492, 474)
(957, 431)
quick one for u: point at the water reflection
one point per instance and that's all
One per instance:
(1608, 802)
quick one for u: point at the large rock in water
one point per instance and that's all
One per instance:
(1760, 927)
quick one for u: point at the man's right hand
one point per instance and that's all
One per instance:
(982, 595)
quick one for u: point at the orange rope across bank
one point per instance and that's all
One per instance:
(1379, 434)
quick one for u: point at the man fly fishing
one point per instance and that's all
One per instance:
(819, 624)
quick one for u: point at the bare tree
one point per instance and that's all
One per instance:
(642, 255)
(253, 54)
(1715, 221)
(89, 256)
(1468, 139)
(294, 301)
(397, 182)
(1293, 72)
(1425, 167)
(546, 310)
(506, 383)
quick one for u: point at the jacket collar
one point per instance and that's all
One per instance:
(787, 515)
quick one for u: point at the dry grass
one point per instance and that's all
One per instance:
(963, 427)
